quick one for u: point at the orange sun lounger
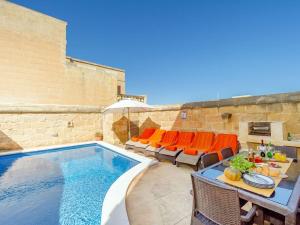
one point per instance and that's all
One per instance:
(147, 133)
(202, 142)
(200, 145)
(157, 136)
(183, 141)
(225, 141)
(171, 152)
(168, 139)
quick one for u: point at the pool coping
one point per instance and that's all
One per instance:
(114, 210)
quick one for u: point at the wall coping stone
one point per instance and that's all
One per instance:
(292, 97)
(71, 59)
(43, 108)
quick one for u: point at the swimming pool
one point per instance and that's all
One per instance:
(59, 186)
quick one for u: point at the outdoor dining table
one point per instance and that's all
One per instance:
(284, 200)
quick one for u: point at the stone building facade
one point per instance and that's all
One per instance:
(42, 91)
(34, 67)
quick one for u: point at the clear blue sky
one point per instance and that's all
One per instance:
(181, 51)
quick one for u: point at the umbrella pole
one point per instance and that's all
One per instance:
(128, 123)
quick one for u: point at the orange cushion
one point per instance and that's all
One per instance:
(203, 140)
(224, 141)
(185, 138)
(170, 137)
(171, 148)
(144, 141)
(220, 155)
(205, 150)
(157, 135)
(164, 144)
(147, 133)
(135, 138)
(155, 145)
(190, 151)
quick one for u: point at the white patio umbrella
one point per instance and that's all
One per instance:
(128, 105)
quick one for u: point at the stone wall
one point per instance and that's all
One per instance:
(25, 126)
(35, 70)
(91, 84)
(115, 127)
(42, 125)
(208, 115)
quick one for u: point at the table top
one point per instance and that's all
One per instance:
(283, 200)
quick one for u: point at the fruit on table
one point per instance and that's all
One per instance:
(258, 159)
(232, 174)
(280, 157)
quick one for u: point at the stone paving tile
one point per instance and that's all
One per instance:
(161, 196)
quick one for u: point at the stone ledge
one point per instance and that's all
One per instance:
(41, 108)
(74, 60)
(292, 97)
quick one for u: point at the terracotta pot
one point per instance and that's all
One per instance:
(99, 138)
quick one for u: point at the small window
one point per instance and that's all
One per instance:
(119, 89)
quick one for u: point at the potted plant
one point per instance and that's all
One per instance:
(238, 166)
(98, 136)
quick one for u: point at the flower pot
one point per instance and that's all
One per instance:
(98, 137)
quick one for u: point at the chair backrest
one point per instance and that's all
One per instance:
(147, 133)
(225, 141)
(209, 159)
(157, 135)
(226, 153)
(291, 152)
(170, 137)
(216, 202)
(203, 140)
(185, 138)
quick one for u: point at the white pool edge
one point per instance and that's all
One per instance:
(114, 210)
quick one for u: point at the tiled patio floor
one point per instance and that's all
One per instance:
(161, 196)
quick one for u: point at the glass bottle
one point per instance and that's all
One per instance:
(262, 149)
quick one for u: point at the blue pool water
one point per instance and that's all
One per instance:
(63, 186)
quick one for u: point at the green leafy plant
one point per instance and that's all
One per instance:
(240, 163)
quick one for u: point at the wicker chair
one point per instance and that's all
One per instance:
(291, 152)
(217, 204)
(209, 159)
(226, 153)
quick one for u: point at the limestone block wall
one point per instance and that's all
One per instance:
(32, 55)
(91, 84)
(34, 68)
(210, 118)
(33, 126)
(115, 127)
(208, 115)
